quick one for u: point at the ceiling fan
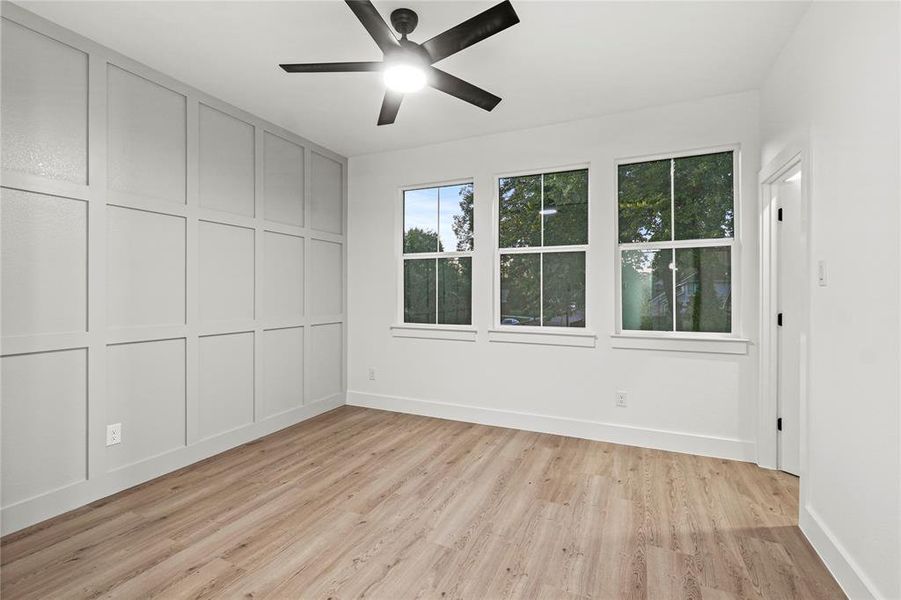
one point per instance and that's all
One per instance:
(407, 66)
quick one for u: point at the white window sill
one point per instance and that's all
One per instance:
(460, 333)
(550, 336)
(680, 343)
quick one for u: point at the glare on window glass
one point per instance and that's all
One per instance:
(647, 290)
(704, 289)
(421, 221)
(455, 218)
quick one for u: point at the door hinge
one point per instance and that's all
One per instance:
(779, 424)
(779, 217)
(779, 319)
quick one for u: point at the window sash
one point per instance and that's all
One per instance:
(403, 218)
(672, 244)
(540, 250)
(672, 158)
(542, 174)
(583, 248)
(675, 246)
(435, 257)
(400, 222)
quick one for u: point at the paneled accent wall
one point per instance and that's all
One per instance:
(169, 262)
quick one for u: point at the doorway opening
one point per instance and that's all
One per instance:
(785, 292)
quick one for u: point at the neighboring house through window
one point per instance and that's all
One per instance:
(676, 221)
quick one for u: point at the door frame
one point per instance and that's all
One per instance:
(767, 435)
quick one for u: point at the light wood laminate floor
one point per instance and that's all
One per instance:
(364, 503)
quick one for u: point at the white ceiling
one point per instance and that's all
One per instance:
(564, 61)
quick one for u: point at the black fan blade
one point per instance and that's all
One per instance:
(390, 106)
(469, 32)
(374, 24)
(335, 67)
(463, 90)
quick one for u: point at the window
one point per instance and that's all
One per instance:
(676, 236)
(437, 255)
(542, 239)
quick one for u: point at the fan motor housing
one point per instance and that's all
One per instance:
(404, 20)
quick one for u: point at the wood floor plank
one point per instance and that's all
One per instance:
(364, 503)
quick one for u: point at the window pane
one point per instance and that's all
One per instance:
(455, 218)
(702, 196)
(518, 216)
(421, 221)
(419, 290)
(644, 202)
(566, 208)
(455, 291)
(704, 289)
(647, 290)
(520, 289)
(564, 289)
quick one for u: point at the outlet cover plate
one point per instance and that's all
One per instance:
(114, 434)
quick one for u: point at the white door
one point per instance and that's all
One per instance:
(790, 288)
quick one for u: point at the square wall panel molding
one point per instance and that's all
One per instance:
(48, 417)
(226, 158)
(328, 192)
(43, 264)
(147, 137)
(170, 264)
(226, 383)
(146, 389)
(283, 276)
(145, 268)
(226, 272)
(327, 346)
(282, 380)
(43, 104)
(326, 293)
(283, 177)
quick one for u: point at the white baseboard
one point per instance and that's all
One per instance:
(843, 567)
(34, 510)
(658, 439)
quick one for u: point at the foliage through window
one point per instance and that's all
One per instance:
(542, 239)
(437, 255)
(676, 236)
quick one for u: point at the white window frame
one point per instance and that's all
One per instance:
(540, 334)
(669, 340)
(428, 330)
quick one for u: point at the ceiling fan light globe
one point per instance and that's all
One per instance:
(405, 79)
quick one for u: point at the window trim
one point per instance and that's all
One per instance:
(668, 340)
(545, 333)
(400, 328)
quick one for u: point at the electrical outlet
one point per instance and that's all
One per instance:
(114, 434)
(622, 399)
(371, 374)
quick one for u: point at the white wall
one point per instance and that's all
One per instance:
(835, 89)
(169, 263)
(688, 401)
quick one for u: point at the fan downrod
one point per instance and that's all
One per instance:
(404, 21)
